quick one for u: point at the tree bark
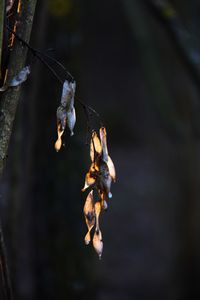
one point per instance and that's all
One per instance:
(8, 106)
(17, 61)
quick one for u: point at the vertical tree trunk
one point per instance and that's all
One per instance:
(8, 106)
(23, 210)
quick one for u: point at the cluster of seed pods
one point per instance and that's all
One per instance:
(102, 170)
(101, 173)
(99, 179)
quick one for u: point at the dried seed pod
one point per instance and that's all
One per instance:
(90, 177)
(58, 143)
(61, 115)
(102, 197)
(102, 133)
(20, 77)
(97, 243)
(89, 213)
(104, 205)
(68, 92)
(105, 157)
(97, 209)
(66, 112)
(104, 180)
(111, 168)
(95, 146)
(87, 237)
(89, 180)
(61, 124)
(71, 119)
(101, 174)
(17, 79)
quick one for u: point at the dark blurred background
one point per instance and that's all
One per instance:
(128, 66)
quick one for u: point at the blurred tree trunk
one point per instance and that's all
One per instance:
(149, 58)
(2, 9)
(8, 107)
(22, 201)
(185, 147)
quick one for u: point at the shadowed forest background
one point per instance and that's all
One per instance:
(128, 66)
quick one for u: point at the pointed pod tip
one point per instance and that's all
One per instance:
(109, 195)
(105, 205)
(87, 238)
(58, 144)
(56, 148)
(72, 133)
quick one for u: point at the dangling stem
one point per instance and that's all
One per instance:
(71, 78)
(40, 56)
(35, 53)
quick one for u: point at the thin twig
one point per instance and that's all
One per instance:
(71, 78)
(39, 53)
(40, 56)
(49, 68)
(35, 53)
